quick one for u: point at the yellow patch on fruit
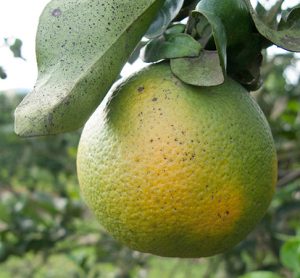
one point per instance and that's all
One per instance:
(177, 170)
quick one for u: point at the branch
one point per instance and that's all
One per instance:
(292, 176)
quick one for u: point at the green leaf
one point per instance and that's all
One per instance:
(244, 63)
(290, 19)
(260, 274)
(290, 254)
(16, 48)
(81, 48)
(260, 9)
(168, 12)
(2, 73)
(170, 46)
(175, 29)
(136, 53)
(234, 16)
(218, 32)
(287, 38)
(204, 70)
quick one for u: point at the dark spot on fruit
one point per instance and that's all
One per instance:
(151, 140)
(227, 212)
(141, 89)
(154, 99)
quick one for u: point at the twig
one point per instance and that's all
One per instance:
(292, 176)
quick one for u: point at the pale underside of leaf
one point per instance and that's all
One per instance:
(204, 70)
(81, 48)
(288, 38)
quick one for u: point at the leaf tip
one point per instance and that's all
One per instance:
(27, 121)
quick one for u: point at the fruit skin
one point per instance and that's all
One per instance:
(177, 170)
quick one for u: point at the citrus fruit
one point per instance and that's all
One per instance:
(177, 170)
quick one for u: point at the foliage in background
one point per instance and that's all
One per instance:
(15, 46)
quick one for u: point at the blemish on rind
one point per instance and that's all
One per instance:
(141, 89)
(56, 12)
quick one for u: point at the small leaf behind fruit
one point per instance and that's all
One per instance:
(204, 70)
(81, 48)
(168, 12)
(287, 38)
(170, 46)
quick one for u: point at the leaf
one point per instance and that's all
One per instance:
(218, 32)
(168, 12)
(175, 29)
(287, 38)
(234, 16)
(204, 70)
(244, 63)
(81, 48)
(290, 19)
(16, 48)
(136, 53)
(290, 254)
(2, 73)
(170, 46)
(260, 9)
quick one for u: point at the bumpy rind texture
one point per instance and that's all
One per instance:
(177, 170)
